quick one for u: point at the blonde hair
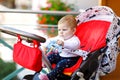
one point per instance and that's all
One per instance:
(69, 20)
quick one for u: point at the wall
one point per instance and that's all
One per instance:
(79, 4)
(83, 4)
(114, 4)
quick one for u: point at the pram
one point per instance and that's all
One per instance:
(105, 49)
(98, 30)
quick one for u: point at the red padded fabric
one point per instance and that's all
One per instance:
(92, 34)
(73, 68)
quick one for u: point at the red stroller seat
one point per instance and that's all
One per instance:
(92, 35)
(98, 30)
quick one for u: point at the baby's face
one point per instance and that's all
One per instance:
(65, 31)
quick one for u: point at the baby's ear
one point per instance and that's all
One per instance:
(74, 30)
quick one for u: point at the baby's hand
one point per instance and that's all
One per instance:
(60, 42)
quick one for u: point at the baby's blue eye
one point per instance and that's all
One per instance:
(64, 29)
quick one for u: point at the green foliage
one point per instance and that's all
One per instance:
(6, 68)
(53, 5)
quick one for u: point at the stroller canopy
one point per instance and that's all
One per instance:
(93, 25)
(98, 27)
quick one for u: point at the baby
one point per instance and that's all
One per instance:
(62, 56)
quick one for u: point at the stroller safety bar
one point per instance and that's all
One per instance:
(24, 35)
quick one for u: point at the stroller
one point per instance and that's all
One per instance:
(102, 30)
(98, 30)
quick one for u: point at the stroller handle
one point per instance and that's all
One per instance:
(24, 35)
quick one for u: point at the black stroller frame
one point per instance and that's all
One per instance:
(89, 67)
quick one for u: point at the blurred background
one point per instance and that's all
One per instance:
(44, 25)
